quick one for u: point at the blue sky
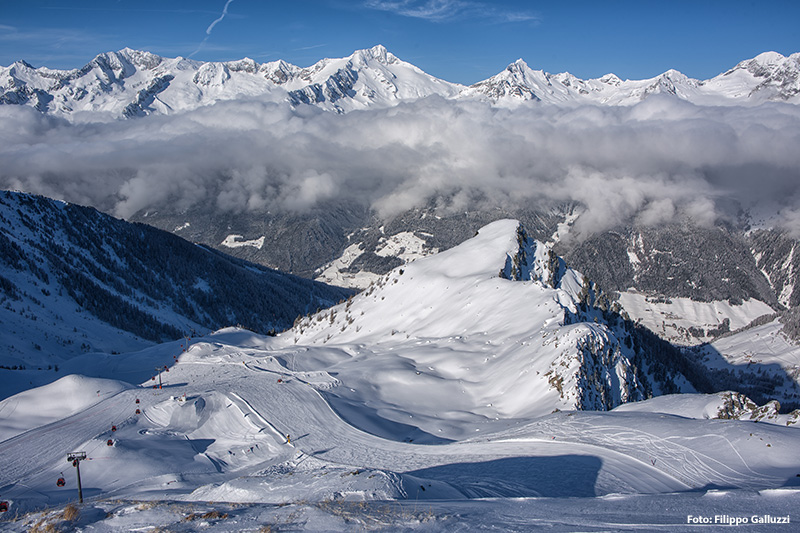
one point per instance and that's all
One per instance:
(462, 41)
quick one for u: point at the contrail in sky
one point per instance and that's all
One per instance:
(211, 27)
(224, 12)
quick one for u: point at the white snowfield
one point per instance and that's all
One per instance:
(335, 272)
(423, 413)
(675, 319)
(235, 241)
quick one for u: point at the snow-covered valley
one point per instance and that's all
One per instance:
(468, 390)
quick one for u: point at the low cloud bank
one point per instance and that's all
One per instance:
(655, 162)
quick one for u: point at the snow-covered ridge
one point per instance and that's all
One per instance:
(134, 83)
(130, 83)
(530, 334)
(769, 76)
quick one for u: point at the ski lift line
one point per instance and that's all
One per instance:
(25, 470)
(28, 489)
(71, 420)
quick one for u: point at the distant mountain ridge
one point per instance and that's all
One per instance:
(130, 83)
(768, 76)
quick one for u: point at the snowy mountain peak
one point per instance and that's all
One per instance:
(611, 79)
(140, 58)
(378, 53)
(243, 65)
(279, 72)
(22, 64)
(768, 76)
(518, 66)
(132, 83)
(766, 64)
(517, 82)
(769, 58)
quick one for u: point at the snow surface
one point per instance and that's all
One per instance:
(764, 353)
(336, 272)
(405, 246)
(672, 318)
(234, 241)
(424, 413)
(225, 442)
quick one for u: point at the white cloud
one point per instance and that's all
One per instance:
(654, 162)
(444, 10)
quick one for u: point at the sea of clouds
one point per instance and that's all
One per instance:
(654, 162)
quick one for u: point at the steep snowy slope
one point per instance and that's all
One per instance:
(73, 280)
(495, 328)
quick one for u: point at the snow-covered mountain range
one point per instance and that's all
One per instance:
(529, 334)
(768, 76)
(130, 83)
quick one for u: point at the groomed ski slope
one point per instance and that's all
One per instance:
(226, 443)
